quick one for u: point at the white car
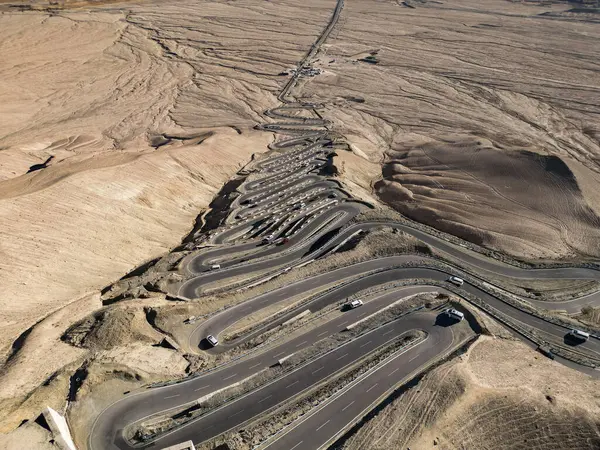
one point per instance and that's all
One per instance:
(456, 281)
(581, 335)
(212, 340)
(354, 304)
(215, 267)
(454, 314)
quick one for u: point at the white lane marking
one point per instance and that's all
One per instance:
(201, 387)
(230, 376)
(343, 356)
(301, 343)
(348, 405)
(275, 356)
(341, 324)
(387, 332)
(371, 387)
(290, 385)
(255, 365)
(173, 396)
(295, 446)
(323, 425)
(393, 372)
(318, 369)
(268, 396)
(321, 334)
(233, 415)
(360, 315)
(365, 344)
(414, 357)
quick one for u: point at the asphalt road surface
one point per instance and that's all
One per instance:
(293, 197)
(107, 434)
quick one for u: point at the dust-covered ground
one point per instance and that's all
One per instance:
(484, 116)
(118, 125)
(499, 395)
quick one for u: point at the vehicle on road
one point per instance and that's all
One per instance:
(579, 335)
(546, 351)
(190, 320)
(267, 239)
(354, 304)
(215, 267)
(281, 241)
(212, 340)
(454, 314)
(456, 281)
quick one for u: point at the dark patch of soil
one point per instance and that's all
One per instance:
(41, 166)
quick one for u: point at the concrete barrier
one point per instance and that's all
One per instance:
(410, 311)
(187, 445)
(60, 429)
(208, 396)
(285, 358)
(304, 263)
(335, 249)
(296, 317)
(180, 298)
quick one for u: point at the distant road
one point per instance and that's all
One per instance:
(292, 198)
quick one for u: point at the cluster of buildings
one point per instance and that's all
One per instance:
(306, 71)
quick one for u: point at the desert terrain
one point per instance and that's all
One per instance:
(483, 115)
(118, 126)
(490, 397)
(121, 122)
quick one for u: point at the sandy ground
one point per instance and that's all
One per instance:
(500, 395)
(130, 120)
(130, 117)
(36, 437)
(482, 114)
(104, 386)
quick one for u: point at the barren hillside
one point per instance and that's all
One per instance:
(120, 121)
(117, 127)
(501, 394)
(483, 115)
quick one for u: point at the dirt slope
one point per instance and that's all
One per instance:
(456, 100)
(518, 199)
(501, 395)
(117, 127)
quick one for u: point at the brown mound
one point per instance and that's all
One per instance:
(506, 74)
(516, 201)
(111, 328)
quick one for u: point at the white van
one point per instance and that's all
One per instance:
(581, 335)
(454, 314)
(215, 267)
(456, 281)
(212, 340)
(353, 304)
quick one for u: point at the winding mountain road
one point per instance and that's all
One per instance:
(292, 197)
